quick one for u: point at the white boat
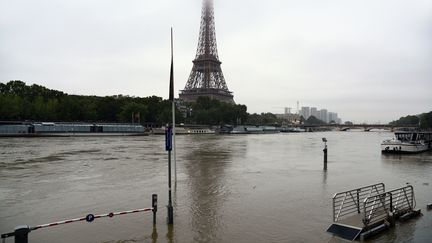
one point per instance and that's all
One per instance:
(408, 142)
(293, 129)
(184, 130)
(246, 130)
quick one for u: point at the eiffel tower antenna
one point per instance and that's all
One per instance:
(206, 77)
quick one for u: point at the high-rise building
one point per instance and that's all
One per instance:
(323, 115)
(332, 117)
(314, 112)
(305, 112)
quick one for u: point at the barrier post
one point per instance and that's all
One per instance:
(21, 233)
(154, 206)
(325, 153)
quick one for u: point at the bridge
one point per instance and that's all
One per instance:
(346, 127)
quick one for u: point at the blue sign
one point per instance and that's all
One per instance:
(168, 139)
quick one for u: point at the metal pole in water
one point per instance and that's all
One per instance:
(169, 134)
(171, 97)
(325, 153)
(168, 147)
(169, 207)
(154, 206)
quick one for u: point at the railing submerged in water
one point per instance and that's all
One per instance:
(391, 203)
(21, 232)
(370, 209)
(347, 203)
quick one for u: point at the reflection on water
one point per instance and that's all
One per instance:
(255, 188)
(205, 165)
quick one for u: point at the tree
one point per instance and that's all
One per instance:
(128, 110)
(10, 107)
(426, 121)
(19, 101)
(406, 121)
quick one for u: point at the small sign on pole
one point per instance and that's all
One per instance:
(168, 138)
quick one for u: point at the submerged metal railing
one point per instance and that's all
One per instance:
(373, 203)
(392, 203)
(21, 232)
(349, 203)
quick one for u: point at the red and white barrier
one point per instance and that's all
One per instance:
(90, 217)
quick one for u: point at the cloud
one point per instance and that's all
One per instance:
(347, 56)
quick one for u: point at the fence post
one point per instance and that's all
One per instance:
(154, 206)
(358, 201)
(21, 233)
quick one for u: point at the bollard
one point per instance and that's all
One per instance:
(21, 234)
(325, 153)
(325, 156)
(170, 214)
(154, 206)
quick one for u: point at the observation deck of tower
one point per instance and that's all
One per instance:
(206, 77)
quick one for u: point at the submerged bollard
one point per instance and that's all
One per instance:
(21, 233)
(154, 206)
(325, 153)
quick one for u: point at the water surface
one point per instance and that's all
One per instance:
(244, 188)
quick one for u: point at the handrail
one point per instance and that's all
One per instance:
(344, 208)
(396, 202)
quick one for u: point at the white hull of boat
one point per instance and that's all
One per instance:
(400, 147)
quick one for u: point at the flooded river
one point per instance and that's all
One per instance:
(245, 188)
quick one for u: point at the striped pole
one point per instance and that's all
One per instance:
(90, 218)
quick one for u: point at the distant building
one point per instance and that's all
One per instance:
(332, 117)
(323, 115)
(314, 112)
(305, 112)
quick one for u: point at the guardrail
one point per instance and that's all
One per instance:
(366, 211)
(21, 232)
(392, 203)
(348, 203)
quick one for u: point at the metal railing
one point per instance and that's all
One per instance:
(348, 203)
(392, 203)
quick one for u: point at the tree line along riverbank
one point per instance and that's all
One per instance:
(19, 101)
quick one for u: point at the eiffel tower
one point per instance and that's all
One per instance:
(206, 77)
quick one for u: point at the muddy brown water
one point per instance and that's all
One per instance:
(243, 188)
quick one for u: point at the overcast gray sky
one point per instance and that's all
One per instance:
(368, 60)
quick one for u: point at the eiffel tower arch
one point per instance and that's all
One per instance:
(206, 77)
